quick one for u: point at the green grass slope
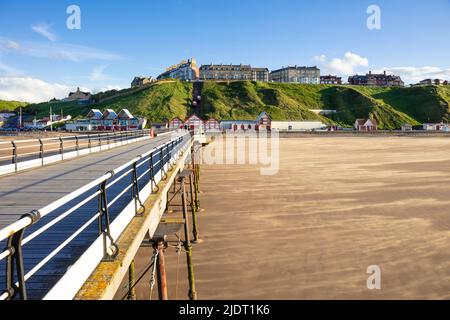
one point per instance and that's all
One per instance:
(158, 102)
(11, 105)
(246, 100)
(392, 107)
(424, 104)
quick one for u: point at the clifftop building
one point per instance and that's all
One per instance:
(241, 72)
(79, 96)
(260, 74)
(295, 74)
(373, 79)
(141, 81)
(330, 80)
(185, 70)
(436, 82)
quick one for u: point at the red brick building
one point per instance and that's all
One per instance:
(330, 80)
(379, 80)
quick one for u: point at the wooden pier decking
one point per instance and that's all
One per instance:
(30, 190)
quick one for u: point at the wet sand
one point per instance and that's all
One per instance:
(337, 206)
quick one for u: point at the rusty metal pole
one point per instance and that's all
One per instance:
(193, 209)
(196, 178)
(161, 269)
(187, 243)
(131, 282)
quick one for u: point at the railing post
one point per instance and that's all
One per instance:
(61, 148)
(152, 175)
(14, 158)
(100, 141)
(163, 164)
(14, 265)
(115, 138)
(135, 193)
(77, 145)
(107, 140)
(41, 151)
(14, 262)
(110, 253)
(170, 153)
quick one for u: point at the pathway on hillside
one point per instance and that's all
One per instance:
(197, 94)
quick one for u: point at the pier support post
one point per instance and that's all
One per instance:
(193, 208)
(160, 246)
(196, 170)
(131, 282)
(187, 242)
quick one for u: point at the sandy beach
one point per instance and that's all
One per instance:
(336, 206)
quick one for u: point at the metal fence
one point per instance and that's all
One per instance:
(59, 233)
(25, 154)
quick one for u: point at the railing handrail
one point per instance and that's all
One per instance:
(74, 136)
(26, 221)
(66, 147)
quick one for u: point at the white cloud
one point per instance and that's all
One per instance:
(44, 30)
(412, 75)
(57, 51)
(345, 66)
(30, 89)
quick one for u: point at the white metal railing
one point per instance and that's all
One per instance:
(21, 155)
(144, 173)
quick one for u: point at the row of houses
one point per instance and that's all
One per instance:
(262, 123)
(108, 120)
(189, 70)
(435, 82)
(371, 125)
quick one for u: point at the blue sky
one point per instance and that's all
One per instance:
(41, 58)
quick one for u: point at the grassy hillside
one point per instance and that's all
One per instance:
(158, 102)
(245, 100)
(425, 104)
(11, 105)
(392, 107)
